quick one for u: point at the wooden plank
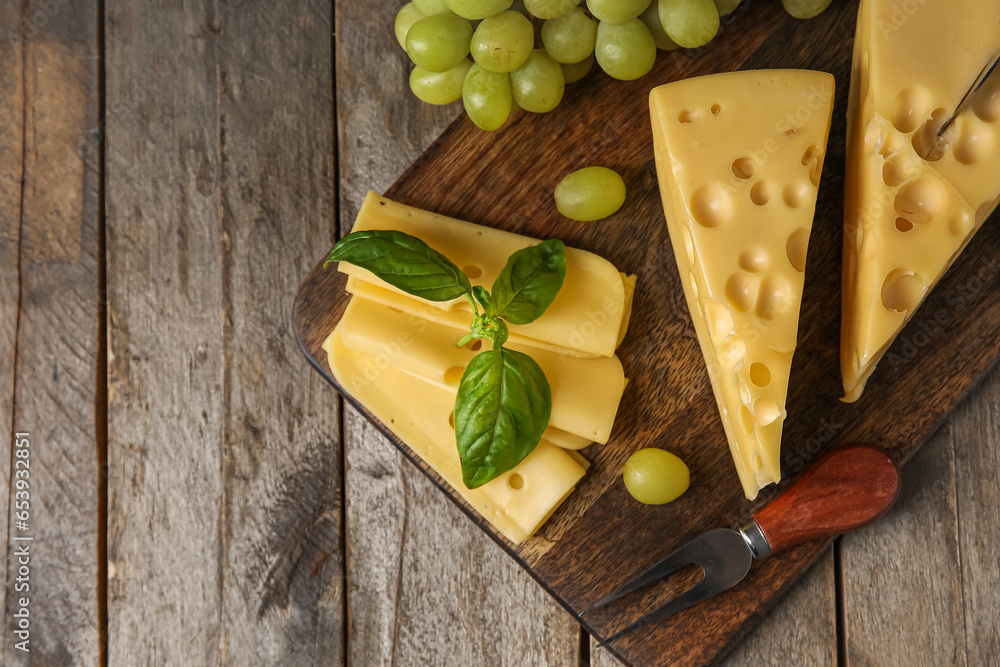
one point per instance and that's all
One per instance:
(975, 432)
(166, 366)
(57, 338)
(282, 559)
(11, 171)
(800, 630)
(424, 586)
(902, 577)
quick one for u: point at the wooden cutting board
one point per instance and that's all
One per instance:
(600, 537)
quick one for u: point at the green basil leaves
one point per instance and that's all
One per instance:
(504, 401)
(404, 262)
(503, 406)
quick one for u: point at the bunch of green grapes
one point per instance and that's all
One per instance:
(524, 52)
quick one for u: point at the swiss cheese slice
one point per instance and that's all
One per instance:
(739, 158)
(585, 392)
(587, 317)
(517, 503)
(906, 218)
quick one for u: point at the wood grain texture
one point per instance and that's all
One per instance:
(975, 434)
(905, 572)
(801, 630)
(591, 556)
(424, 585)
(205, 243)
(282, 566)
(57, 336)
(11, 171)
(166, 361)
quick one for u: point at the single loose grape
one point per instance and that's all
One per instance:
(805, 9)
(570, 38)
(438, 43)
(590, 193)
(550, 9)
(626, 50)
(503, 42)
(655, 477)
(432, 7)
(487, 97)
(729, 6)
(651, 17)
(690, 23)
(538, 84)
(616, 11)
(439, 87)
(573, 72)
(407, 15)
(478, 9)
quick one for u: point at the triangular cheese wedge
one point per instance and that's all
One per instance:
(906, 218)
(739, 158)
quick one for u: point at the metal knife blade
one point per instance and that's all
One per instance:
(984, 75)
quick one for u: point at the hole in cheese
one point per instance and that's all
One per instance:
(986, 103)
(910, 108)
(720, 321)
(795, 194)
(453, 375)
(796, 249)
(926, 137)
(710, 206)
(746, 420)
(754, 260)
(901, 290)
(774, 297)
(975, 141)
(899, 169)
(810, 154)
(760, 374)
(451, 419)
(758, 463)
(761, 192)
(960, 223)
(743, 168)
(474, 345)
(920, 200)
(903, 225)
(694, 285)
(740, 291)
(472, 271)
(515, 482)
(716, 109)
(766, 411)
(687, 116)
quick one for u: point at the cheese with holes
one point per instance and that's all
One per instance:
(587, 317)
(739, 157)
(417, 411)
(585, 392)
(907, 218)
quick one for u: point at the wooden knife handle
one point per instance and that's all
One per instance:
(844, 490)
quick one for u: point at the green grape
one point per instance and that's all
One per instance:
(655, 477)
(407, 15)
(626, 50)
(573, 72)
(538, 84)
(432, 7)
(550, 9)
(616, 11)
(690, 23)
(438, 43)
(570, 38)
(487, 97)
(805, 9)
(478, 9)
(729, 6)
(651, 17)
(590, 194)
(503, 42)
(439, 87)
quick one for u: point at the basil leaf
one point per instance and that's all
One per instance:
(404, 262)
(529, 282)
(502, 407)
(484, 298)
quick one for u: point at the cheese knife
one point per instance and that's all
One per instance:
(842, 491)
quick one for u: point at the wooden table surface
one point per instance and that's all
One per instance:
(196, 494)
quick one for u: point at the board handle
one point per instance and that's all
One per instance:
(844, 490)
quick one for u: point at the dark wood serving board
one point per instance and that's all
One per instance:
(600, 537)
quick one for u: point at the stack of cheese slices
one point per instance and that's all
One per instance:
(396, 355)
(739, 158)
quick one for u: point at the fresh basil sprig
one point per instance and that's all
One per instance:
(504, 400)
